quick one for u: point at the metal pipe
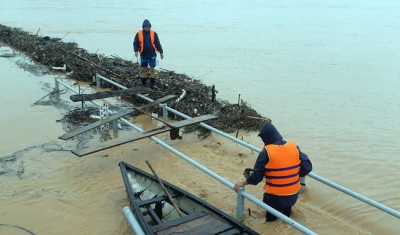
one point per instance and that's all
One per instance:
(132, 221)
(215, 130)
(110, 81)
(74, 90)
(97, 80)
(194, 163)
(230, 185)
(224, 181)
(187, 117)
(58, 81)
(57, 86)
(277, 213)
(356, 195)
(182, 96)
(165, 113)
(240, 202)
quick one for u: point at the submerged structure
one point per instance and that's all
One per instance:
(79, 64)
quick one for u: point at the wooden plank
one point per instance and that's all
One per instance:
(194, 120)
(151, 130)
(199, 226)
(184, 210)
(111, 118)
(178, 221)
(209, 225)
(95, 124)
(107, 94)
(140, 135)
(154, 215)
(156, 199)
(161, 100)
(232, 231)
(116, 142)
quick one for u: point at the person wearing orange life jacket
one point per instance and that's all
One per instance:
(282, 164)
(147, 44)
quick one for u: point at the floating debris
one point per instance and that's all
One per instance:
(195, 98)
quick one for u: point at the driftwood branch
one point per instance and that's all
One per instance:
(260, 118)
(107, 94)
(92, 63)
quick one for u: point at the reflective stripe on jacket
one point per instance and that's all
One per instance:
(141, 40)
(282, 170)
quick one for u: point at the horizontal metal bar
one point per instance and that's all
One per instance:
(223, 180)
(110, 81)
(281, 216)
(74, 90)
(355, 195)
(93, 102)
(230, 185)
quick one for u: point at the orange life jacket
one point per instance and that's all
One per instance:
(282, 170)
(141, 40)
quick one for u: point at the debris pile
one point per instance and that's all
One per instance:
(193, 97)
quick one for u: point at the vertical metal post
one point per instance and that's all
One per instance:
(240, 202)
(57, 85)
(213, 93)
(83, 99)
(165, 113)
(97, 80)
(115, 125)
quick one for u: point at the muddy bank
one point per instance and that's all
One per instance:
(79, 64)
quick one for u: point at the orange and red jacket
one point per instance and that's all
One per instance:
(282, 170)
(141, 40)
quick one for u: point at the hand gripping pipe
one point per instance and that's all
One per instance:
(216, 176)
(316, 177)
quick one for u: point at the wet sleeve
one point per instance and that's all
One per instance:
(305, 164)
(157, 42)
(136, 44)
(259, 168)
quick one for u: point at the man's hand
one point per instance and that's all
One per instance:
(162, 55)
(239, 184)
(136, 53)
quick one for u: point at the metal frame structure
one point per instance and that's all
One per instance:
(241, 193)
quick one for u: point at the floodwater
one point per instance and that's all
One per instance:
(326, 74)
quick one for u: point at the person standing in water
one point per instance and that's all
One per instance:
(282, 164)
(147, 44)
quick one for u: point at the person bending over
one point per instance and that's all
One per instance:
(282, 164)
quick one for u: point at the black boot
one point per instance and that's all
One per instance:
(152, 86)
(144, 82)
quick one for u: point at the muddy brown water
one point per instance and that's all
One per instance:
(326, 73)
(45, 189)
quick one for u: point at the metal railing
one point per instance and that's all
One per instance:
(241, 193)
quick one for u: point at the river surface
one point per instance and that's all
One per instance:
(326, 72)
